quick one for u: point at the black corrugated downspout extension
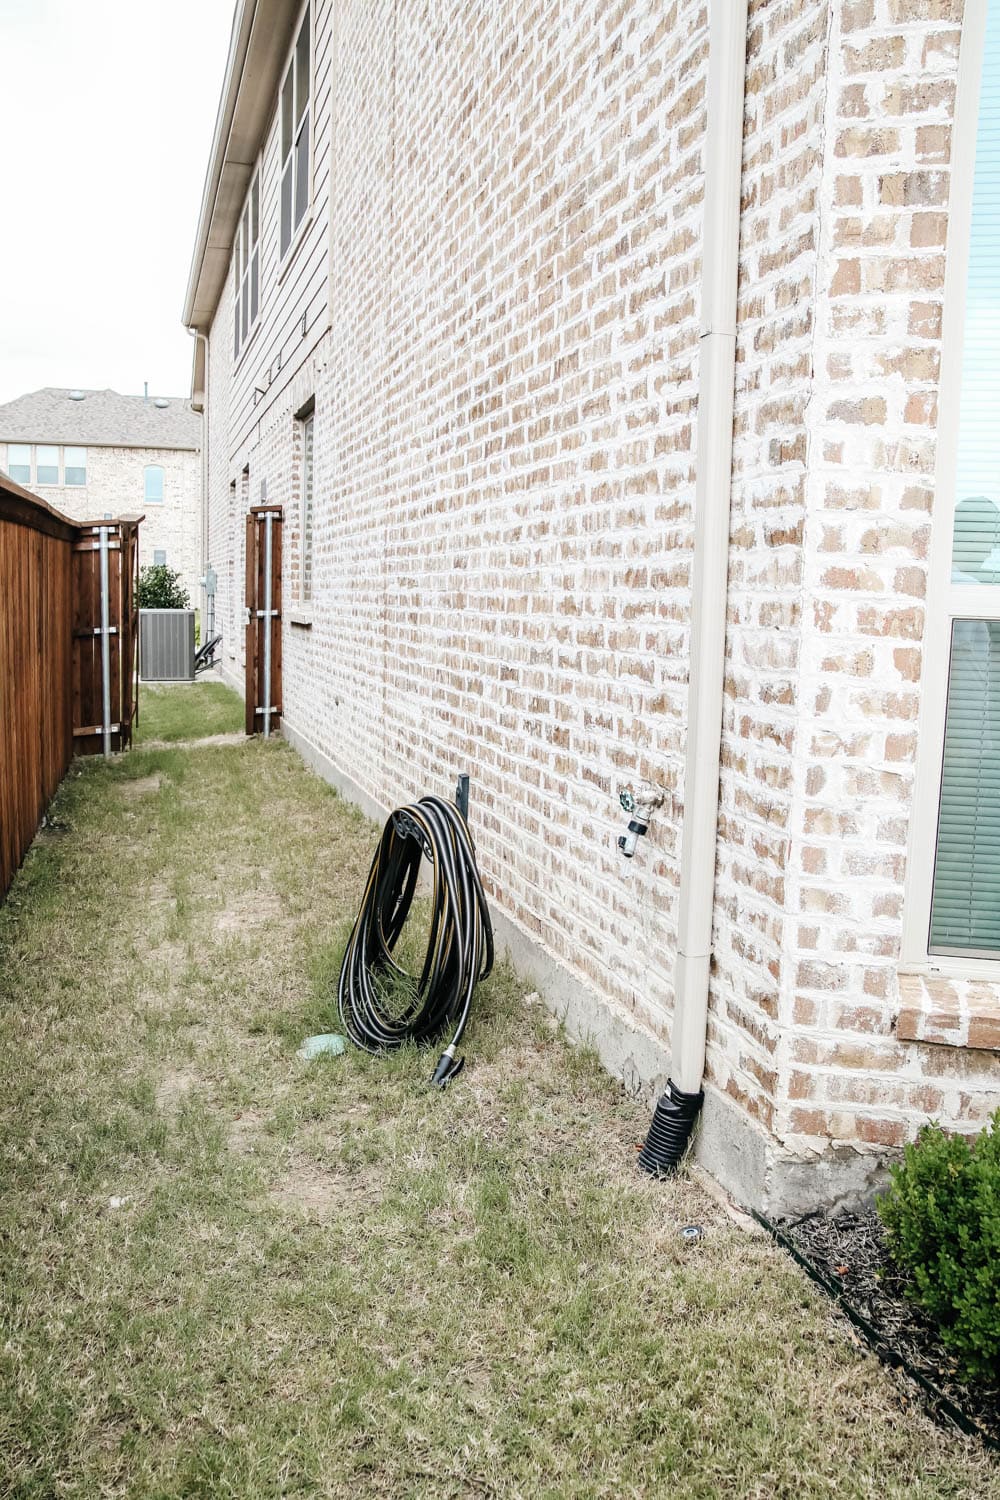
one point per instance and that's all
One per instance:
(670, 1131)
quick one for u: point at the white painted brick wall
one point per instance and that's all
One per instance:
(505, 429)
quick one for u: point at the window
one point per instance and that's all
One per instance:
(153, 484)
(954, 893)
(231, 570)
(246, 301)
(46, 465)
(295, 135)
(159, 558)
(19, 462)
(307, 507)
(75, 465)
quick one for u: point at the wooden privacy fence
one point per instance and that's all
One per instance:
(263, 605)
(68, 662)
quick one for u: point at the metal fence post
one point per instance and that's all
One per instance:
(105, 645)
(268, 617)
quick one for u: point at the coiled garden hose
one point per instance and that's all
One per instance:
(382, 1006)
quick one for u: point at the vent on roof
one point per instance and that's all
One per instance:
(161, 401)
(76, 395)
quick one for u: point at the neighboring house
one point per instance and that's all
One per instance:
(460, 294)
(95, 453)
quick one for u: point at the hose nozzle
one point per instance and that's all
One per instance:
(447, 1069)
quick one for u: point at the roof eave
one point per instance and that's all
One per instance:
(260, 39)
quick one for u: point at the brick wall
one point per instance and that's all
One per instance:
(115, 485)
(851, 1075)
(505, 423)
(814, 1029)
(504, 454)
(505, 552)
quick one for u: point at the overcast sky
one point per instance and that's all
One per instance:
(106, 116)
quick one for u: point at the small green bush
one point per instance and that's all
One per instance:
(942, 1219)
(161, 588)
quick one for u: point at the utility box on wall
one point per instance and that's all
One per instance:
(166, 645)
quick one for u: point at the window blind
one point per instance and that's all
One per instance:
(965, 912)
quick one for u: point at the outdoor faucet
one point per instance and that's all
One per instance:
(640, 805)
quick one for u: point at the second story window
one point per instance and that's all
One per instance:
(75, 465)
(153, 484)
(295, 135)
(247, 278)
(46, 464)
(19, 462)
(43, 460)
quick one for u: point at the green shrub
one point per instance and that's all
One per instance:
(161, 588)
(942, 1219)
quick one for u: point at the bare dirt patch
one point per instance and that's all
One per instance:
(200, 744)
(158, 893)
(174, 1086)
(142, 786)
(244, 1132)
(320, 1192)
(248, 910)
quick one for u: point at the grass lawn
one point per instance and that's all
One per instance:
(226, 1272)
(189, 710)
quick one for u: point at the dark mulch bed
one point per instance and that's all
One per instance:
(850, 1253)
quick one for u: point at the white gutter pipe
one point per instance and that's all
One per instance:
(203, 338)
(678, 1107)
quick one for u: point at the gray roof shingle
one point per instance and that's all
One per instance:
(103, 419)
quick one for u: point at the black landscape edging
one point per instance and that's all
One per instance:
(886, 1353)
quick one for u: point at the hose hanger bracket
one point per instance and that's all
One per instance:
(408, 828)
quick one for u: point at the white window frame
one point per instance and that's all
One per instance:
(307, 435)
(297, 230)
(49, 484)
(946, 601)
(8, 462)
(66, 466)
(243, 277)
(147, 499)
(60, 449)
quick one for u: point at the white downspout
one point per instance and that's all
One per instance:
(713, 483)
(204, 338)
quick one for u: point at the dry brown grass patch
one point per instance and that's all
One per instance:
(142, 786)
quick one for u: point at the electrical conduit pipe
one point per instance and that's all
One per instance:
(678, 1107)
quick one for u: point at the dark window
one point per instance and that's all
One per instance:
(295, 114)
(246, 264)
(307, 507)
